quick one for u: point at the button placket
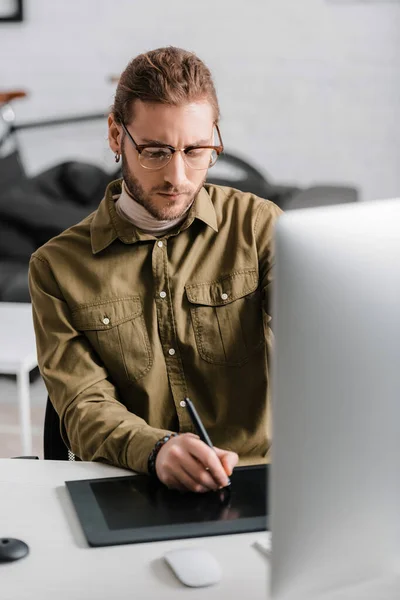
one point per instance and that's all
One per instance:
(167, 332)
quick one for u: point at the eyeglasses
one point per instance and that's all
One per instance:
(154, 157)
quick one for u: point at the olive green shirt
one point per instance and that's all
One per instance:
(128, 324)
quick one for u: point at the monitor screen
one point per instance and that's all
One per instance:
(336, 409)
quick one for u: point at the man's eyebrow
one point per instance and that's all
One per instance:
(155, 142)
(202, 143)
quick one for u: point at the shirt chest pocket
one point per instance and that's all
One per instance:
(117, 331)
(227, 318)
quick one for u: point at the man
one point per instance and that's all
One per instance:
(161, 293)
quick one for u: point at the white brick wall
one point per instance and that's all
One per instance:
(309, 89)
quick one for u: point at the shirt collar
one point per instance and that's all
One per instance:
(107, 225)
(203, 209)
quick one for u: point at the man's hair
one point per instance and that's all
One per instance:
(166, 75)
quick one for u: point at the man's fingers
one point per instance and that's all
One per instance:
(209, 460)
(193, 484)
(194, 469)
(187, 461)
(228, 460)
(184, 482)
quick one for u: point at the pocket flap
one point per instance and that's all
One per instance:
(105, 315)
(224, 290)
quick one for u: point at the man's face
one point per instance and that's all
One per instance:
(167, 192)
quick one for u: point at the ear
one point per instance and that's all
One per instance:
(114, 134)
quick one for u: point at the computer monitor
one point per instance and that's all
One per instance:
(336, 399)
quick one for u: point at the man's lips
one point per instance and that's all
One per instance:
(171, 196)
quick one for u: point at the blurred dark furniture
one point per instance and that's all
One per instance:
(35, 209)
(235, 172)
(321, 195)
(232, 171)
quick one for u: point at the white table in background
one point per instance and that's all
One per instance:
(18, 357)
(36, 507)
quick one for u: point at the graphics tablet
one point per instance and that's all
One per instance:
(123, 510)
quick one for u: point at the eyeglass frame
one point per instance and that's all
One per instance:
(140, 147)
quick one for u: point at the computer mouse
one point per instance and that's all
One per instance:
(194, 567)
(12, 549)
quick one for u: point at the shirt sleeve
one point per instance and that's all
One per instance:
(95, 425)
(264, 229)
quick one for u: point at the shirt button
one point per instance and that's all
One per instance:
(106, 320)
(182, 403)
(224, 296)
(163, 295)
(160, 244)
(171, 351)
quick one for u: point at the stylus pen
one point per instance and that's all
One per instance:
(198, 425)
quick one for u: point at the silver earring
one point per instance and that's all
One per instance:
(117, 156)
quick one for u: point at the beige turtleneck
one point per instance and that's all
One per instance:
(130, 210)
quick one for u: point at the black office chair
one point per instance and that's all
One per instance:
(54, 447)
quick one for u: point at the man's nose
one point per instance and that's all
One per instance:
(175, 171)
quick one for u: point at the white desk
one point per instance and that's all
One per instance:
(35, 507)
(18, 357)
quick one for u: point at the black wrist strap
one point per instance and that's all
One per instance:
(151, 463)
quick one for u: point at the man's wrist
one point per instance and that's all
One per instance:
(151, 463)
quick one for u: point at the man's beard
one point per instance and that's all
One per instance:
(164, 212)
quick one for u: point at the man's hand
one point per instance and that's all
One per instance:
(186, 463)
